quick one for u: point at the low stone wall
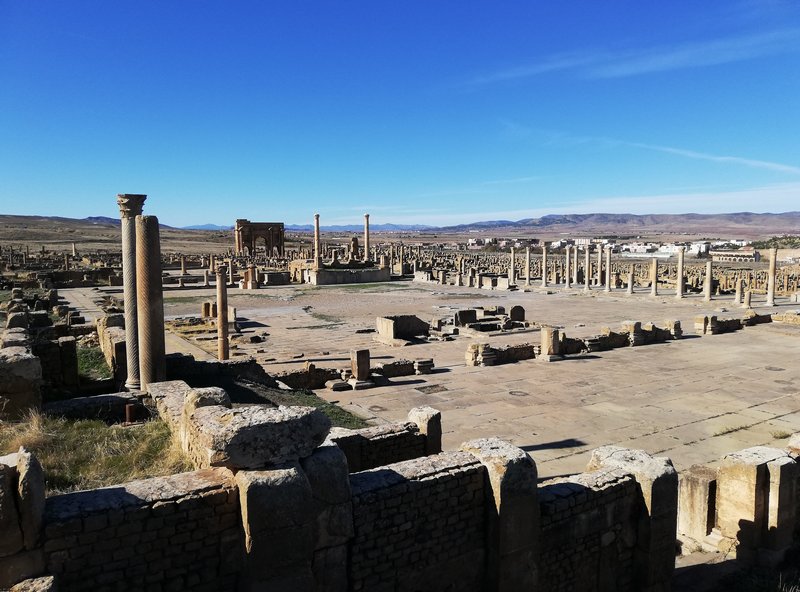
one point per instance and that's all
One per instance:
(372, 447)
(407, 528)
(181, 532)
(185, 367)
(589, 523)
(310, 377)
(111, 335)
(110, 408)
(20, 381)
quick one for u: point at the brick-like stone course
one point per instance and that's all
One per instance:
(375, 446)
(181, 532)
(588, 531)
(420, 522)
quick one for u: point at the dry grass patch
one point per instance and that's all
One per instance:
(86, 454)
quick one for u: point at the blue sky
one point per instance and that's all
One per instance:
(417, 112)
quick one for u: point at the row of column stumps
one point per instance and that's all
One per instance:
(680, 280)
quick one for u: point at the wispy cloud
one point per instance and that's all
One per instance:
(601, 63)
(512, 181)
(748, 162)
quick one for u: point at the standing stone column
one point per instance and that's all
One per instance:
(183, 264)
(708, 282)
(527, 266)
(681, 255)
(599, 276)
(511, 271)
(566, 267)
(130, 206)
(737, 297)
(630, 278)
(587, 270)
(222, 315)
(149, 302)
(317, 252)
(654, 277)
(608, 269)
(773, 258)
(575, 266)
(544, 265)
(366, 237)
(205, 279)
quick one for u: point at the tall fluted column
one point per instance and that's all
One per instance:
(608, 269)
(512, 272)
(679, 289)
(654, 277)
(366, 237)
(130, 206)
(567, 271)
(150, 302)
(708, 282)
(773, 259)
(587, 270)
(544, 265)
(223, 351)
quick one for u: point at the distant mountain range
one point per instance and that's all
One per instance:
(739, 224)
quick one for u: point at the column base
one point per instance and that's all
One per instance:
(133, 385)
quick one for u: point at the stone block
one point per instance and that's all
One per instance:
(24, 565)
(11, 540)
(429, 422)
(513, 514)
(254, 436)
(329, 479)
(697, 501)
(30, 497)
(17, 320)
(654, 554)
(359, 364)
(20, 381)
(277, 515)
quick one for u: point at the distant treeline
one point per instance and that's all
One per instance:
(787, 241)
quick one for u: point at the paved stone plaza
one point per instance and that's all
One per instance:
(694, 399)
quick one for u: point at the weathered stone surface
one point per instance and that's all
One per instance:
(11, 540)
(429, 421)
(21, 566)
(793, 445)
(20, 381)
(328, 476)
(17, 320)
(513, 534)
(206, 397)
(31, 497)
(697, 484)
(169, 397)
(17, 337)
(278, 520)
(254, 436)
(43, 584)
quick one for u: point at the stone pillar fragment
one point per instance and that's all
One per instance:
(130, 206)
(544, 265)
(708, 281)
(223, 348)
(513, 515)
(608, 269)
(654, 278)
(587, 265)
(512, 273)
(631, 278)
(567, 271)
(575, 265)
(527, 266)
(679, 279)
(773, 258)
(429, 422)
(366, 237)
(317, 252)
(654, 554)
(149, 302)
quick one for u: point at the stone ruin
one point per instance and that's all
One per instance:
(279, 500)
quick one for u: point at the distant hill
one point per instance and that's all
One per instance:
(360, 227)
(103, 220)
(744, 224)
(207, 227)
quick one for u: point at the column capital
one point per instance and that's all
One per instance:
(366, 216)
(130, 204)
